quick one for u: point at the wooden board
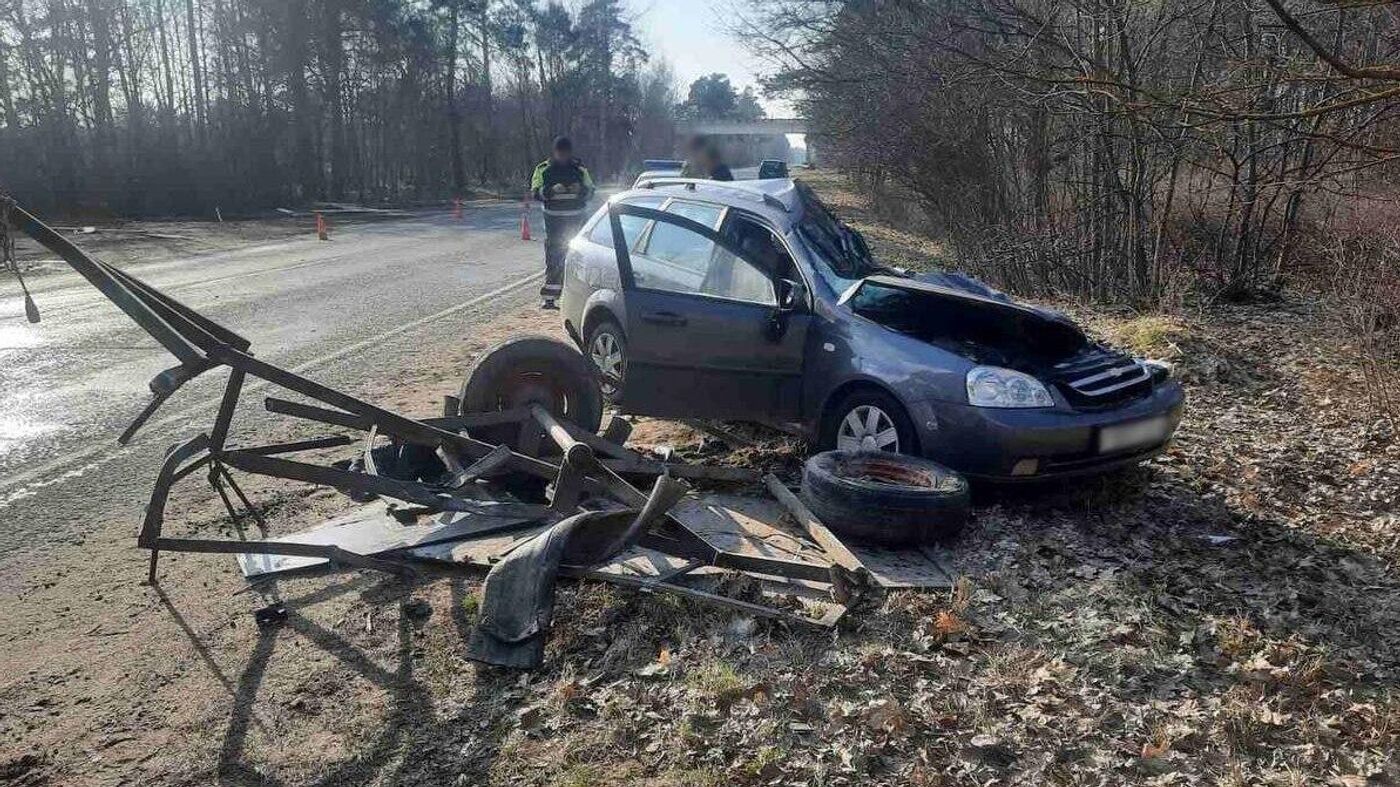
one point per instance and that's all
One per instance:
(742, 523)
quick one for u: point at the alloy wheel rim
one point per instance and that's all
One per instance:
(607, 356)
(867, 428)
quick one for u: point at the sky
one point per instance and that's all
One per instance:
(691, 36)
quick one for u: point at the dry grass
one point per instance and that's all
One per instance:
(1154, 336)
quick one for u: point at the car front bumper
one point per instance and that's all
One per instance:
(1032, 444)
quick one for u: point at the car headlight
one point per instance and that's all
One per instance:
(990, 386)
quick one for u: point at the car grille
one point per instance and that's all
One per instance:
(1098, 377)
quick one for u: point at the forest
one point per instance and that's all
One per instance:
(157, 107)
(1111, 148)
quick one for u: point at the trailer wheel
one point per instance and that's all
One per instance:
(534, 370)
(885, 498)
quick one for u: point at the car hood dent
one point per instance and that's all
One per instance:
(984, 326)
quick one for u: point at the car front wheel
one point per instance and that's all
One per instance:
(867, 421)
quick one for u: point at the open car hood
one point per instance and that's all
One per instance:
(986, 327)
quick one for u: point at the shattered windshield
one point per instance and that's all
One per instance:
(843, 257)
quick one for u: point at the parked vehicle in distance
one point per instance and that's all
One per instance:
(653, 174)
(749, 300)
(658, 168)
(772, 168)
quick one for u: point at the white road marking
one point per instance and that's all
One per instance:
(55, 467)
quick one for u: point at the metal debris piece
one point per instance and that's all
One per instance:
(617, 430)
(374, 530)
(829, 619)
(518, 596)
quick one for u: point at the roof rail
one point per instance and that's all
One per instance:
(690, 184)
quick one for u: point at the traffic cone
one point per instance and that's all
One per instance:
(323, 231)
(525, 221)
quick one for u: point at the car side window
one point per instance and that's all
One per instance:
(670, 243)
(702, 214)
(679, 259)
(632, 226)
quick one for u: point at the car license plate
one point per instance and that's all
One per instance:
(1137, 434)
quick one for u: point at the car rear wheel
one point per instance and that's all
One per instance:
(607, 349)
(869, 420)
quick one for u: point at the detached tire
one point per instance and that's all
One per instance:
(885, 498)
(534, 370)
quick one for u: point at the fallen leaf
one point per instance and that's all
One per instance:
(887, 715)
(1152, 750)
(653, 670)
(947, 623)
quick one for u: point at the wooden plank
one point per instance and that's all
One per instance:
(699, 472)
(813, 527)
(719, 433)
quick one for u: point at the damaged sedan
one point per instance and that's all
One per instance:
(750, 301)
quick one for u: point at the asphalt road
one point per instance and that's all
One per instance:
(334, 311)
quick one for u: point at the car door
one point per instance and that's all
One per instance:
(705, 335)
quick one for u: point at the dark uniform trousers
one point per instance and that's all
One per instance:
(559, 229)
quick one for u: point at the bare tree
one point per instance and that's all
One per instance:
(160, 106)
(1098, 146)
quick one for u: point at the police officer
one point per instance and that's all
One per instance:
(564, 186)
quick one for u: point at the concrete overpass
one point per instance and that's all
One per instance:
(762, 127)
(757, 128)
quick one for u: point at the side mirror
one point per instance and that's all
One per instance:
(792, 295)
